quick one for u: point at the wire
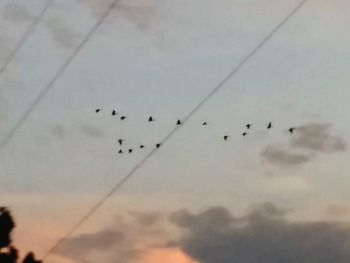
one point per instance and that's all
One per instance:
(171, 133)
(51, 84)
(25, 37)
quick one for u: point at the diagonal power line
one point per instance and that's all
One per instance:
(119, 184)
(25, 37)
(51, 84)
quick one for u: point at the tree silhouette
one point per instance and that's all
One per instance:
(8, 253)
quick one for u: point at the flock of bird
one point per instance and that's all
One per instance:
(179, 122)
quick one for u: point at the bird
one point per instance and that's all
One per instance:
(249, 125)
(142, 146)
(114, 112)
(120, 151)
(204, 123)
(130, 150)
(158, 145)
(291, 130)
(121, 141)
(244, 134)
(97, 110)
(226, 137)
(150, 119)
(178, 122)
(122, 118)
(269, 126)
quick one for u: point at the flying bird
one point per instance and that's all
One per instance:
(130, 150)
(121, 141)
(269, 126)
(142, 146)
(226, 137)
(158, 145)
(204, 123)
(122, 118)
(291, 130)
(120, 151)
(150, 119)
(178, 122)
(249, 125)
(244, 134)
(114, 112)
(97, 110)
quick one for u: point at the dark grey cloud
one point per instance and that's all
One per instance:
(133, 234)
(63, 35)
(281, 157)
(91, 131)
(16, 13)
(262, 236)
(317, 137)
(312, 139)
(83, 244)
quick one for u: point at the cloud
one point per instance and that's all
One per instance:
(316, 137)
(134, 236)
(312, 139)
(63, 36)
(91, 131)
(16, 13)
(281, 157)
(83, 244)
(262, 236)
(146, 219)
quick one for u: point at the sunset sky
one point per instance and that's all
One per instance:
(198, 199)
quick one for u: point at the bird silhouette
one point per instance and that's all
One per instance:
(244, 134)
(178, 122)
(130, 150)
(150, 119)
(122, 118)
(291, 130)
(249, 125)
(142, 146)
(158, 145)
(226, 137)
(97, 110)
(205, 123)
(120, 151)
(121, 141)
(269, 126)
(114, 112)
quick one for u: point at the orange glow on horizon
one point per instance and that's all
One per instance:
(166, 255)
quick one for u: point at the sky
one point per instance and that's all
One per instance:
(266, 197)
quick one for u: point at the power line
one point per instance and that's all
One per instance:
(119, 184)
(51, 84)
(25, 37)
